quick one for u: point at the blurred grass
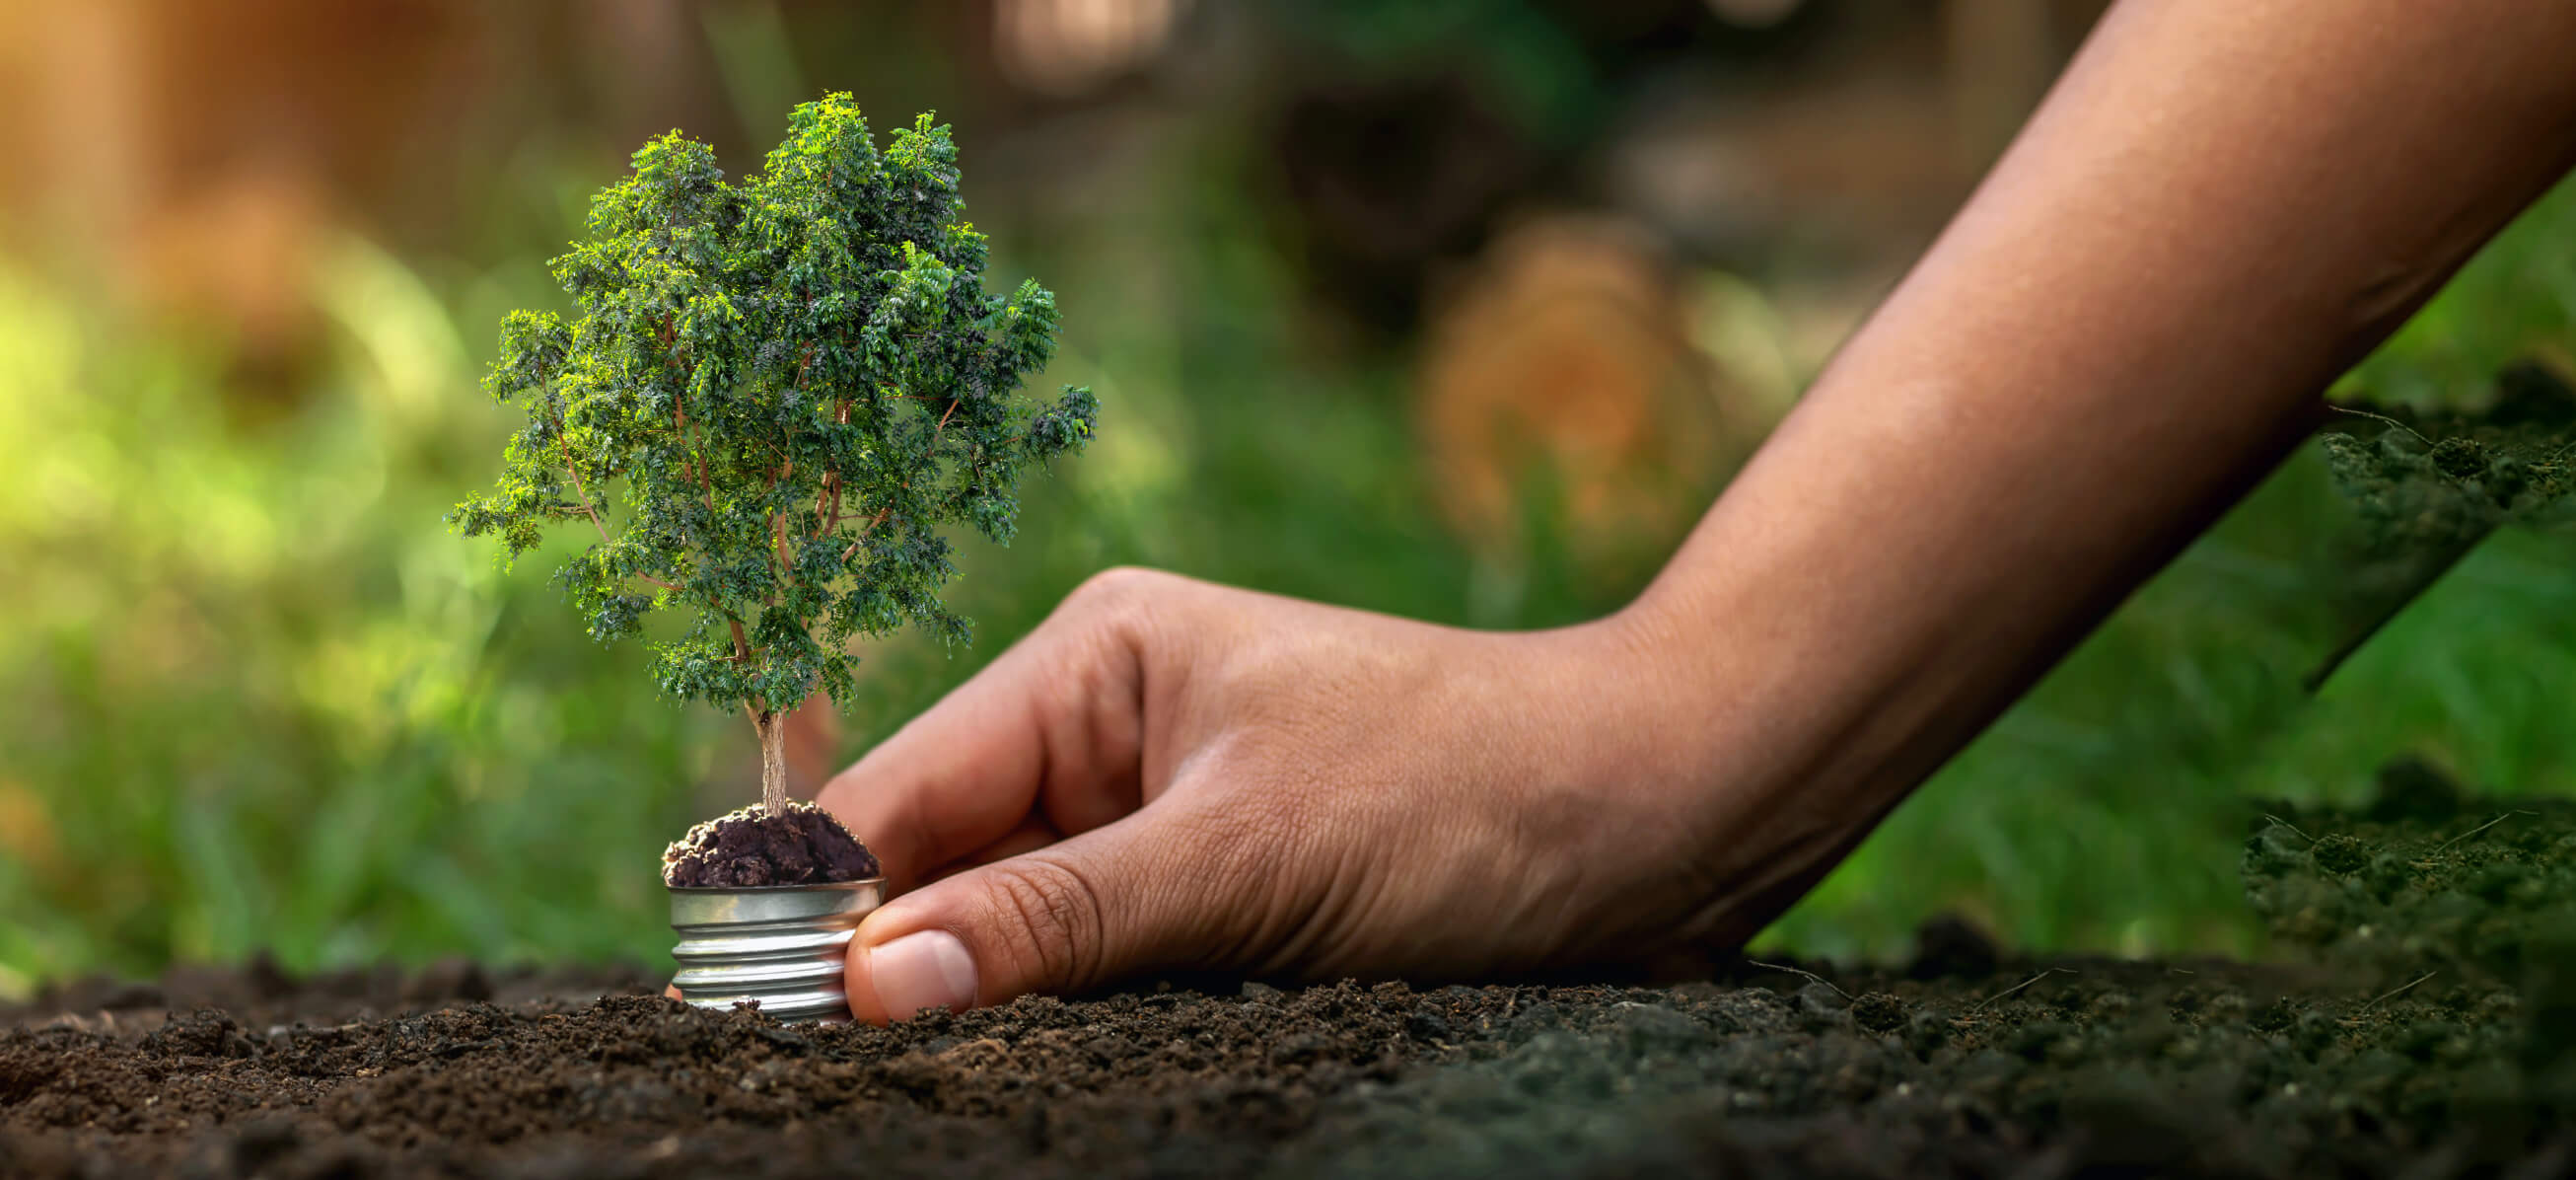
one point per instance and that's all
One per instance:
(262, 699)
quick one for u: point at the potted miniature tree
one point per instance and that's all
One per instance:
(770, 398)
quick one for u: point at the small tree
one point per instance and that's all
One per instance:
(772, 396)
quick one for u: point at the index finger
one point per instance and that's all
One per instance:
(1052, 727)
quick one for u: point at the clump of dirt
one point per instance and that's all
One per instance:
(2040, 1070)
(2423, 879)
(750, 848)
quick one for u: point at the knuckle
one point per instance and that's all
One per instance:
(1061, 913)
(1114, 611)
(1117, 587)
(1094, 635)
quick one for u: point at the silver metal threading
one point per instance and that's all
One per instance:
(781, 945)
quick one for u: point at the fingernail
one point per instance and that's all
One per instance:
(927, 969)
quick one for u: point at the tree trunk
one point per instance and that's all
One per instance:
(773, 760)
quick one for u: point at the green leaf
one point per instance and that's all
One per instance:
(769, 399)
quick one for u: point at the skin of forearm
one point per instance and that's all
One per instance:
(2221, 206)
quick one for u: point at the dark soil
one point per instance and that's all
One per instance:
(750, 848)
(2090, 1068)
(2421, 880)
(1964, 1062)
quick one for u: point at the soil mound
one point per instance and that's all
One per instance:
(750, 848)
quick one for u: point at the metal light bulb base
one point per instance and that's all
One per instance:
(781, 945)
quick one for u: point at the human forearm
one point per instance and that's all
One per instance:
(2221, 207)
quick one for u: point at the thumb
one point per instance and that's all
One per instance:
(1066, 917)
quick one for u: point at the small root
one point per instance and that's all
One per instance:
(2480, 828)
(1794, 971)
(2044, 973)
(2392, 993)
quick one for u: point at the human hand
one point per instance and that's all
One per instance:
(1173, 774)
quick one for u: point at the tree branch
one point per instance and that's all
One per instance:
(865, 530)
(680, 417)
(932, 457)
(778, 528)
(778, 548)
(565, 445)
(832, 478)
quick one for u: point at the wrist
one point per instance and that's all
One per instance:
(1675, 703)
(1782, 722)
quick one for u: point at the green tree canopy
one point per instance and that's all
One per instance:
(769, 399)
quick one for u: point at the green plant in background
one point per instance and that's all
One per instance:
(788, 386)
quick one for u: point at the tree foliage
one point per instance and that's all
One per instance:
(769, 399)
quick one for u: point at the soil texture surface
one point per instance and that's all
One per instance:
(2420, 880)
(2032, 1070)
(2433, 1037)
(750, 848)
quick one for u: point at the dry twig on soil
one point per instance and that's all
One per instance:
(2393, 992)
(2044, 973)
(1794, 971)
(2480, 828)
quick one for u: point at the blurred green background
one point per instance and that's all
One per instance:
(1459, 310)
